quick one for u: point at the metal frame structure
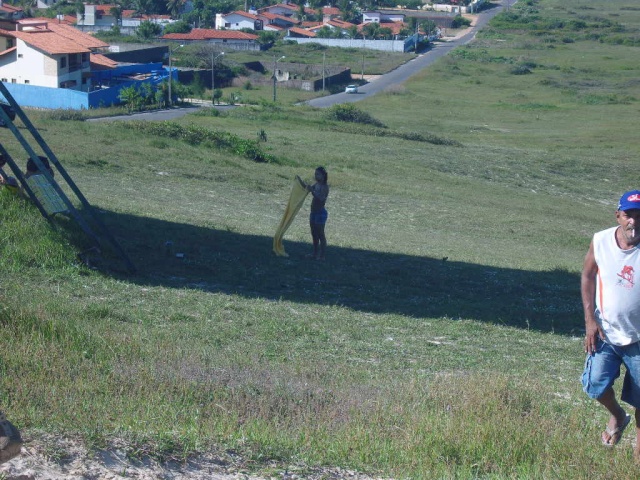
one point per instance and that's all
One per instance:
(53, 160)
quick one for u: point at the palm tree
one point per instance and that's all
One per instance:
(174, 7)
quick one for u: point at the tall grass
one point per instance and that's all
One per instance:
(440, 339)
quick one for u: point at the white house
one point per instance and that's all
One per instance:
(379, 17)
(97, 16)
(284, 9)
(237, 21)
(47, 54)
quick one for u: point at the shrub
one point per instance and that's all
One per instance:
(348, 112)
(64, 114)
(196, 135)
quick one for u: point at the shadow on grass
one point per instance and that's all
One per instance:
(369, 281)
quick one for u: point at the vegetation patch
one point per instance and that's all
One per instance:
(196, 135)
(382, 132)
(348, 112)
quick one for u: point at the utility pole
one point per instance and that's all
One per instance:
(275, 68)
(171, 50)
(213, 76)
(323, 59)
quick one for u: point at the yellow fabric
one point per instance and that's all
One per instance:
(296, 199)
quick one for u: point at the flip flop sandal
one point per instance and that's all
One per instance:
(616, 431)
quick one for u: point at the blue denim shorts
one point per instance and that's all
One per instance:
(602, 368)
(319, 217)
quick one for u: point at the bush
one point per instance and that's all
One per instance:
(348, 112)
(65, 114)
(460, 21)
(196, 135)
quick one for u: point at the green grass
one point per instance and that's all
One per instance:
(386, 358)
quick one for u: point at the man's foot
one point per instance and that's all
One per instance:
(613, 433)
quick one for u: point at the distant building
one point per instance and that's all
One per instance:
(47, 54)
(238, 20)
(230, 39)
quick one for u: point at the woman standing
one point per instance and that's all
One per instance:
(318, 216)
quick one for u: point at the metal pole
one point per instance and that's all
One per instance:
(170, 75)
(213, 80)
(171, 50)
(275, 64)
(275, 67)
(213, 77)
(323, 59)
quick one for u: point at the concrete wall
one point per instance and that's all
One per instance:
(382, 45)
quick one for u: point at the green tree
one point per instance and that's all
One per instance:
(217, 95)
(385, 33)
(178, 27)
(116, 11)
(371, 30)
(174, 7)
(131, 98)
(148, 30)
(267, 38)
(324, 32)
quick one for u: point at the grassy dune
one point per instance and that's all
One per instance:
(442, 336)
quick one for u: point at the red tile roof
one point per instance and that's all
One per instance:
(331, 11)
(46, 40)
(100, 62)
(242, 14)
(9, 8)
(302, 31)
(273, 16)
(105, 9)
(340, 24)
(210, 34)
(77, 36)
(395, 27)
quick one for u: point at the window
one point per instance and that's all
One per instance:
(63, 62)
(13, 80)
(85, 57)
(27, 82)
(19, 55)
(3, 80)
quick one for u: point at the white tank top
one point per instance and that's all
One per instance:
(617, 289)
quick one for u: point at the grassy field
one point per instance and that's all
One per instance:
(442, 337)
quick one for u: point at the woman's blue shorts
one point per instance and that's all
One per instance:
(319, 217)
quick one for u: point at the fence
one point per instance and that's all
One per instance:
(382, 45)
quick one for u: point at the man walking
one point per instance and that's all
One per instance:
(611, 301)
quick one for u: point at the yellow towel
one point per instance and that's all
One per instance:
(296, 199)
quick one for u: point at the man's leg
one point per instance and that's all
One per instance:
(618, 416)
(636, 451)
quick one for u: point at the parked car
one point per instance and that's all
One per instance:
(8, 109)
(351, 89)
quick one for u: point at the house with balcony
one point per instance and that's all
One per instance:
(47, 54)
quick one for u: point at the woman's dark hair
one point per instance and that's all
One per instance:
(32, 167)
(324, 174)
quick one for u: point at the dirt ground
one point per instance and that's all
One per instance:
(55, 458)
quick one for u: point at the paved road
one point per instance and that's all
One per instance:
(403, 72)
(395, 77)
(168, 114)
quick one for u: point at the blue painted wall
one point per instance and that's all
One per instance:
(113, 80)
